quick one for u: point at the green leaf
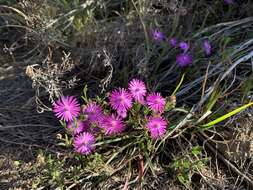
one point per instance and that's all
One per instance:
(183, 180)
(172, 127)
(85, 90)
(63, 123)
(16, 163)
(196, 150)
(199, 164)
(186, 164)
(175, 164)
(222, 118)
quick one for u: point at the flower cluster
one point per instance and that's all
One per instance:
(90, 120)
(184, 58)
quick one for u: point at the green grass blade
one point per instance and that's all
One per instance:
(214, 98)
(179, 85)
(210, 124)
(117, 153)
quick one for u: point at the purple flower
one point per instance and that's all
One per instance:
(173, 42)
(66, 108)
(84, 143)
(156, 102)
(229, 2)
(184, 59)
(120, 100)
(184, 46)
(77, 127)
(94, 112)
(158, 36)
(156, 126)
(113, 125)
(207, 47)
(138, 90)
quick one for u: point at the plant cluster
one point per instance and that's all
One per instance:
(188, 164)
(124, 111)
(127, 130)
(184, 58)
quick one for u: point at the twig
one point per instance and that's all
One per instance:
(228, 163)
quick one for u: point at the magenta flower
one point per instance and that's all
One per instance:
(158, 36)
(122, 113)
(94, 112)
(77, 127)
(184, 46)
(113, 125)
(84, 143)
(120, 100)
(173, 42)
(184, 59)
(66, 108)
(157, 126)
(138, 90)
(156, 102)
(207, 47)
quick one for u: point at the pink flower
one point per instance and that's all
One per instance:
(66, 108)
(122, 113)
(157, 127)
(138, 90)
(84, 143)
(94, 112)
(113, 125)
(156, 102)
(77, 127)
(120, 100)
